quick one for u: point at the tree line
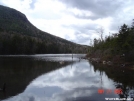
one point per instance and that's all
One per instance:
(121, 43)
(20, 44)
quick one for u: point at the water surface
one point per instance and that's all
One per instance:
(43, 78)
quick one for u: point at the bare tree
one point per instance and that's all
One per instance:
(100, 31)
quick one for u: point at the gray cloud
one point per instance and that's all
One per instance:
(80, 38)
(83, 16)
(82, 28)
(32, 6)
(116, 25)
(100, 8)
(86, 17)
(103, 9)
(83, 33)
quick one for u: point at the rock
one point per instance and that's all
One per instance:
(109, 63)
(61, 62)
(104, 62)
(122, 65)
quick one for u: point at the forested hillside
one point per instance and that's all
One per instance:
(117, 47)
(19, 36)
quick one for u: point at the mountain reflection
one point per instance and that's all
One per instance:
(77, 80)
(67, 84)
(18, 71)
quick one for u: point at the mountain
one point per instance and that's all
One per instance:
(19, 36)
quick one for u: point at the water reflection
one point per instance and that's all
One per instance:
(17, 71)
(78, 80)
(68, 84)
(127, 92)
(122, 79)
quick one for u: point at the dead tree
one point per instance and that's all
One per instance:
(100, 31)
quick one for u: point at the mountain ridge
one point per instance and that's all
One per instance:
(13, 22)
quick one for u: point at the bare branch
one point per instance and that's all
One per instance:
(100, 31)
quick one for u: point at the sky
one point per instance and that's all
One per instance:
(76, 20)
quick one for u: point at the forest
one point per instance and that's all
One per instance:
(20, 44)
(116, 47)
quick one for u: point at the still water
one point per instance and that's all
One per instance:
(59, 77)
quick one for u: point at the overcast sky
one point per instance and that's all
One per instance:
(75, 20)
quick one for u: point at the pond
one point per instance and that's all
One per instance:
(61, 77)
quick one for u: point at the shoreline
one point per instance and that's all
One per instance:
(117, 64)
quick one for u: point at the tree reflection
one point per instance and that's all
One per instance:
(3, 90)
(101, 74)
(126, 91)
(18, 72)
(123, 80)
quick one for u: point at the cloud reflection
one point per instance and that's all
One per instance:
(78, 83)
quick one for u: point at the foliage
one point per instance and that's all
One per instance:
(118, 44)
